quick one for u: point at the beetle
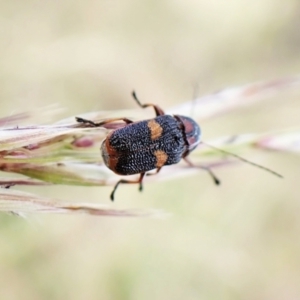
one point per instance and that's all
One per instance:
(142, 146)
(146, 145)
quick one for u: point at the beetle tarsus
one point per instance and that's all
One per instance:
(215, 179)
(84, 121)
(93, 124)
(158, 110)
(139, 181)
(141, 187)
(210, 172)
(8, 186)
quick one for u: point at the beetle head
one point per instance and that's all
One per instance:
(191, 131)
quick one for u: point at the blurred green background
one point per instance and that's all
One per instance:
(238, 241)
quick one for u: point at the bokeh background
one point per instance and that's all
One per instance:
(238, 241)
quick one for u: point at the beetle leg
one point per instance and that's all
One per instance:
(214, 177)
(93, 124)
(158, 110)
(140, 181)
(7, 186)
(157, 171)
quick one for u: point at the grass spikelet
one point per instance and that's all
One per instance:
(67, 152)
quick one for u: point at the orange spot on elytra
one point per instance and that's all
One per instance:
(155, 129)
(109, 154)
(161, 158)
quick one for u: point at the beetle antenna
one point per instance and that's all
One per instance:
(243, 159)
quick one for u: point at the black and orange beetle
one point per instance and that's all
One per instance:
(146, 145)
(151, 144)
